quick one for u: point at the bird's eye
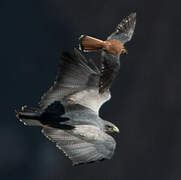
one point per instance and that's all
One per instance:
(109, 126)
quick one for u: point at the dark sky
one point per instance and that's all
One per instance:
(146, 96)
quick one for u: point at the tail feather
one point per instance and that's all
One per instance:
(51, 116)
(29, 116)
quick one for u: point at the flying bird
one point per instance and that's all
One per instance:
(69, 111)
(111, 49)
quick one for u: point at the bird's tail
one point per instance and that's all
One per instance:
(29, 116)
(51, 116)
(87, 43)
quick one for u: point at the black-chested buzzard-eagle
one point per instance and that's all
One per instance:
(69, 111)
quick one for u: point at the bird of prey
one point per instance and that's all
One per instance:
(110, 49)
(69, 111)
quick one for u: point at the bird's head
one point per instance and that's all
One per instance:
(110, 127)
(114, 47)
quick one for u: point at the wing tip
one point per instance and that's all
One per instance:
(127, 22)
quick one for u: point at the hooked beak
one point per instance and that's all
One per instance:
(115, 129)
(124, 52)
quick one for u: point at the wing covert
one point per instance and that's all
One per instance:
(77, 82)
(75, 73)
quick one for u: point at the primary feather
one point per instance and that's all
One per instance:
(125, 29)
(83, 144)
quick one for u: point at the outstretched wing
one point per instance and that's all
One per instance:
(110, 63)
(77, 82)
(124, 30)
(83, 144)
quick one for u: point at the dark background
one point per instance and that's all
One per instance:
(146, 97)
